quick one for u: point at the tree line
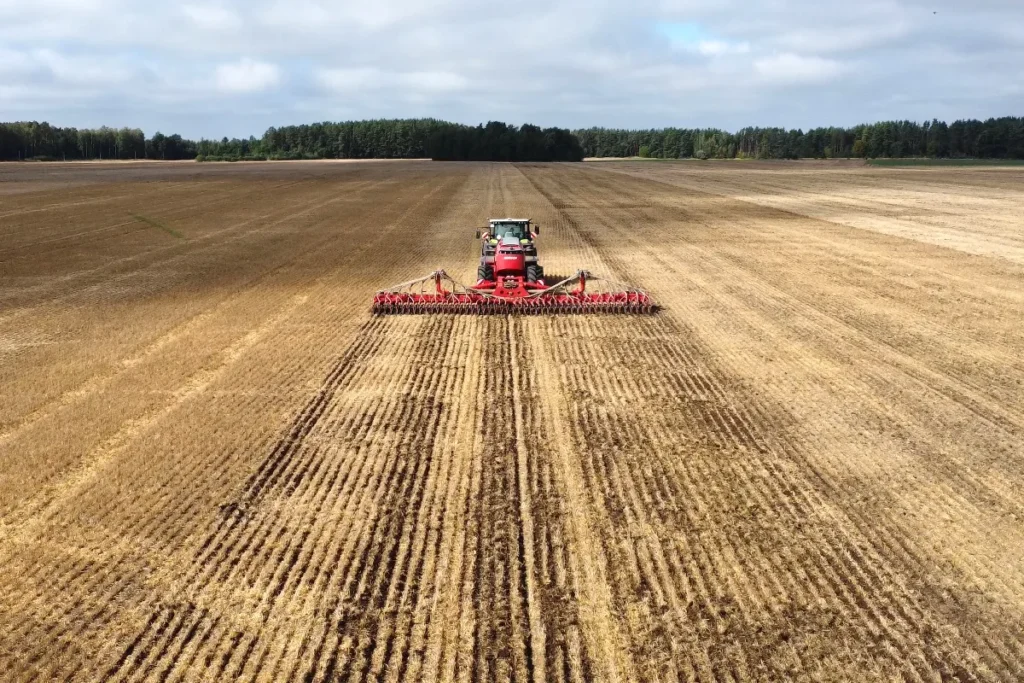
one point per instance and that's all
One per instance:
(41, 141)
(1001, 138)
(373, 139)
(402, 139)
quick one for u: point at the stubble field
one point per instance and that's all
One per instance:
(215, 464)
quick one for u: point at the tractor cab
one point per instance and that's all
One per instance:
(504, 230)
(519, 228)
(508, 249)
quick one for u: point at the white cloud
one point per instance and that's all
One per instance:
(247, 76)
(347, 78)
(40, 66)
(717, 48)
(295, 16)
(212, 17)
(854, 35)
(436, 81)
(319, 18)
(86, 70)
(368, 78)
(14, 63)
(789, 68)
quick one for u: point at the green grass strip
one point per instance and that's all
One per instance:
(157, 224)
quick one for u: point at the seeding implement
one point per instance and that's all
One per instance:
(510, 280)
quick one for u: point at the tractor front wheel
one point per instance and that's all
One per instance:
(534, 273)
(485, 272)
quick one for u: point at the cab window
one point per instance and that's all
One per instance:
(518, 230)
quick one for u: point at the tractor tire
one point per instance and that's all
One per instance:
(534, 273)
(485, 272)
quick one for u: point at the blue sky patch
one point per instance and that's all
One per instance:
(682, 32)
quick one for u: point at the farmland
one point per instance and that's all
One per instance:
(216, 464)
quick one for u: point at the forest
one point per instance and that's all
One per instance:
(374, 139)
(1001, 138)
(43, 142)
(997, 138)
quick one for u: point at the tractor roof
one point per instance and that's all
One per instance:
(509, 220)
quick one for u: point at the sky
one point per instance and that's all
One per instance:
(213, 68)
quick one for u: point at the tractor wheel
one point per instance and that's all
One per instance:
(485, 272)
(534, 273)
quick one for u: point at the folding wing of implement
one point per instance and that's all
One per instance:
(510, 280)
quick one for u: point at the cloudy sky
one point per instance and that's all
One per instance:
(234, 67)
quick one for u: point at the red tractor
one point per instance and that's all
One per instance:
(510, 280)
(508, 248)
